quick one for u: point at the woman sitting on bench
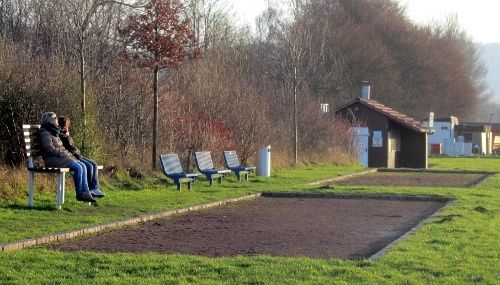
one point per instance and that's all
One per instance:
(55, 155)
(69, 144)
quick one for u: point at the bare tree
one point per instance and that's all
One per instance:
(289, 39)
(84, 18)
(210, 21)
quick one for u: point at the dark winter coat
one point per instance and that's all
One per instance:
(69, 144)
(53, 152)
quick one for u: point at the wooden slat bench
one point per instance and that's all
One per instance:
(33, 153)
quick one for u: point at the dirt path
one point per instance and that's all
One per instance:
(314, 227)
(420, 179)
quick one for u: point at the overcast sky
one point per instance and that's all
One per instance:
(480, 18)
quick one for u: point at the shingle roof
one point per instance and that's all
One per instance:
(392, 114)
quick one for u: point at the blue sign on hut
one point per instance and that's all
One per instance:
(385, 137)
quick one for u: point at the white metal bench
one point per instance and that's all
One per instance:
(33, 153)
(172, 168)
(233, 163)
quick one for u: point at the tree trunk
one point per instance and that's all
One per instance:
(295, 121)
(155, 116)
(83, 91)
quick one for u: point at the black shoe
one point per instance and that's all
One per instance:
(96, 193)
(86, 197)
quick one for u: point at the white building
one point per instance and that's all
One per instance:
(478, 134)
(451, 138)
(443, 131)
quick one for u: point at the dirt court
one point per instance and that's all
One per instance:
(352, 228)
(421, 179)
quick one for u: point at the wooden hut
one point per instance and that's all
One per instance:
(394, 139)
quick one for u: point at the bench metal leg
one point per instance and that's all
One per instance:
(220, 179)
(63, 184)
(61, 181)
(59, 190)
(31, 182)
(189, 185)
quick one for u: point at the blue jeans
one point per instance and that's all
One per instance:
(79, 176)
(92, 175)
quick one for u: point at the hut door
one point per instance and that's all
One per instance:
(394, 146)
(362, 144)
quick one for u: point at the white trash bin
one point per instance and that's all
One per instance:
(264, 161)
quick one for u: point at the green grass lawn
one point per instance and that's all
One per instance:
(459, 246)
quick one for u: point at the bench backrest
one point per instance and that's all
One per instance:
(203, 160)
(170, 163)
(32, 144)
(231, 159)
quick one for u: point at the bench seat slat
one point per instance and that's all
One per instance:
(48, 169)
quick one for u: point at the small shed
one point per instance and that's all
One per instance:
(394, 139)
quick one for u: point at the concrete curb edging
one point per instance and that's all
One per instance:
(451, 171)
(98, 228)
(339, 178)
(485, 174)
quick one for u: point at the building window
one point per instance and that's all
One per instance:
(467, 137)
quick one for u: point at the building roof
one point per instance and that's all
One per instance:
(479, 126)
(472, 127)
(388, 112)
(495, 127)
(451, 119)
